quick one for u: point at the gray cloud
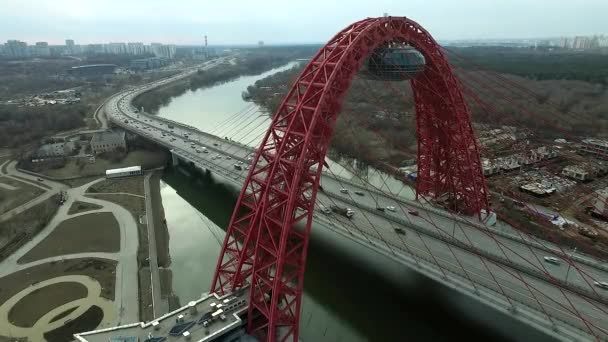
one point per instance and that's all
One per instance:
(274, 21)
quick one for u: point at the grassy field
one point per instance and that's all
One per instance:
(131, 185)
(23, 193)
(97, 232)
(101, 270)
(89, 320)
(32, 307)
(20, 228)
(135, 205)
(147, 159)
(81, 207)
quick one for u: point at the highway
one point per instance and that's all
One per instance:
(493, 264)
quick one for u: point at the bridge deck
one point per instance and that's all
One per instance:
(457, 250)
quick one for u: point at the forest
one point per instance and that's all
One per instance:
(377, 120)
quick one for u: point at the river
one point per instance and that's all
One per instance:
(350, 292)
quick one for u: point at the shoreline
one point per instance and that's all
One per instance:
(161, 232)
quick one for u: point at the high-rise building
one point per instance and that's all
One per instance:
(95, 49)
(135, 48)
(41, 49)
(160, 50)
(116, 48)
(16, 49)
(69, 46)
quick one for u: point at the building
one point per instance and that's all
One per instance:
(124, 172)
(95, 49)
(92, 70)
(55, 150)
(160, 50)
(41, 49)
(16, 49)
(135, 48)
(108, 141)
(70, 46)
(576, 172)
(600, 207)
(116, 48)
(149, 63)
(595, 147)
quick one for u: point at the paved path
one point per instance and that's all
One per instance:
(44, 324)
(13, 173)
(159, 306)
(126, 304)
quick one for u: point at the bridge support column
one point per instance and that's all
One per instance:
(174, 159)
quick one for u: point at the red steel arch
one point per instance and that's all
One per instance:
(262, 246)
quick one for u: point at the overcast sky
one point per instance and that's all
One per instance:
(288, 21)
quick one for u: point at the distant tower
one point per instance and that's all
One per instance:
(206, 51)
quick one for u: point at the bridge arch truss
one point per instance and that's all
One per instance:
(267, 238)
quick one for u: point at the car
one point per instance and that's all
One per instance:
(238, 167)
(360, 193)
(400, 231)
(349, 212)
(601, 284)
(247, 167)
(552, 260)
(413, 212)
(228, 158)
(40, 179)
(344, 191)
(325, 210)
(390, 208)
(380, 209)
(215, 144)
(205, 151)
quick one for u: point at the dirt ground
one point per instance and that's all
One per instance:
(97, 232)
(23, 193)
(131, 185)
(147, 159)
(80, 207)
(101, 270)
(32, 307)
(20, 229)
(146, 313)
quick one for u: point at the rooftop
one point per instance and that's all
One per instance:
(109, 137)
(202, 320)
(596, 142)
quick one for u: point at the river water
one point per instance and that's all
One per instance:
(350, 292)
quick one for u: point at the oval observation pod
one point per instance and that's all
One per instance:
(394, 64)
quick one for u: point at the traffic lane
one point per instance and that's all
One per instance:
(445, 256)
(516, 252)
(513, 251)
(471, 235)
(429, 243)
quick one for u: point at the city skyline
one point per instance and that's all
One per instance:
(274, 22)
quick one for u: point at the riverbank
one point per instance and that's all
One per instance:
(246, 63)
(161, 233)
